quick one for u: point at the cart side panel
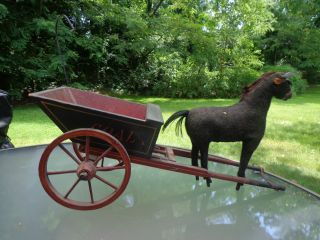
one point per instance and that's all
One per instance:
(94, 101)
(138, 137)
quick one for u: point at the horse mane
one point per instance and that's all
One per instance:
(247, 89)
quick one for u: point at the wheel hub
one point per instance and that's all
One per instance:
(86, 170)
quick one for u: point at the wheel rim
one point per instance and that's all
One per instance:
(88, 176)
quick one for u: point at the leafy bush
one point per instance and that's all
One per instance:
(235, 79)
(173, 48)
(191, 80)
(3, 11)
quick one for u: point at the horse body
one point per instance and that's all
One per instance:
(244, 121)
(224, 124)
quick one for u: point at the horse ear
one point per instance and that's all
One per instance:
(278, 81)
(287, 75)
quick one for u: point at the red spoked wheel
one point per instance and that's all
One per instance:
(78, 176)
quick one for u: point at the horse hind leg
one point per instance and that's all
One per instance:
(204, 160)
(194, 157)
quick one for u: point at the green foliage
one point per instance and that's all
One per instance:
(295, 37)
(80, 86)
(3, 11)
(29, 57)
(181, 48)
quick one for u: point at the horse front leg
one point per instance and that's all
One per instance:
(204, 160)
(248, 147)
(194, 157)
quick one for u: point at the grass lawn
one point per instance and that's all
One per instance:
(290, 147)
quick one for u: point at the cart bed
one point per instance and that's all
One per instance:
(135, 125)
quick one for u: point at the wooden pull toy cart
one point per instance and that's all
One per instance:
(107, 135)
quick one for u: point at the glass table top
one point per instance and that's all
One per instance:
(156, 204)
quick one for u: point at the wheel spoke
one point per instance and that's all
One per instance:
(61, 172)
(71, 189)
(90, 191)
(102, 155)
(107, 182)
(87, 148)
(69, 153)
(76, 147)
(106, 169)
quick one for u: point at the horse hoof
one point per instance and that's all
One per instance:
(208, 181)
(238, 186)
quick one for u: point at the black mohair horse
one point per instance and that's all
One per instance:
(245, 121)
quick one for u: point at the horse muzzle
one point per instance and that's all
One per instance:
(287, 96)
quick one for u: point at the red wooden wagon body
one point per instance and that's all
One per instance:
(107, 135)
(135, 125)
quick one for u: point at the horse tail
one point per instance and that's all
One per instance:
(180, 114)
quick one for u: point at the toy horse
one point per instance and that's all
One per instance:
(244, 121)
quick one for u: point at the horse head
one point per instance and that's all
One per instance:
(281, 86)
(277, 83)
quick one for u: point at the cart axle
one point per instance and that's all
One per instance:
(86, 170)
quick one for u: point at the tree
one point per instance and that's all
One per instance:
(295, 36)
(182, 48)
